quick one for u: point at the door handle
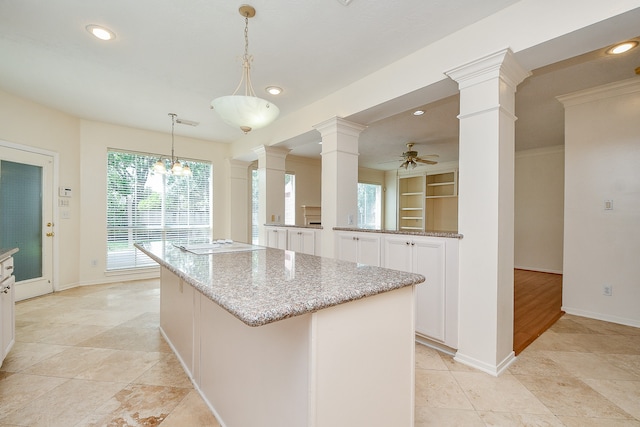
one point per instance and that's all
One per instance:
(49, 224)
(51, 234)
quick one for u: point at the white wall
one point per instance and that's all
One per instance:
(602, 158)
(308, 182)
(82, 149)
(539, 209)
(27, 123)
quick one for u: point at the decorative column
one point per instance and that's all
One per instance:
(339, 178)
(486, 209)
(271, 169)
(239, 203)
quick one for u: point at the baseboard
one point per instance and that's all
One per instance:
(602, 316)
(486, 367)
(129, 276)
(435, 345)
(540, 270)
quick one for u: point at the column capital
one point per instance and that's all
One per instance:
(338, 124)
(238, 168)
(267, 150)
(501, 64)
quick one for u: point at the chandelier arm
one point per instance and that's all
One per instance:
(249, 88)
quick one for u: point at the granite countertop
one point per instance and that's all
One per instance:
(266, 285)
(6, 253)
(447, 234)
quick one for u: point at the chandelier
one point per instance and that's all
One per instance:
(176, 167)
(247, 111)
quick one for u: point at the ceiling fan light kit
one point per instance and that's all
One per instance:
(246, 112)
(411, 158)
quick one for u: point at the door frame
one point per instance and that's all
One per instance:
(54, 200)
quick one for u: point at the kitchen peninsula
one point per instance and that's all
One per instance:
(278, 338)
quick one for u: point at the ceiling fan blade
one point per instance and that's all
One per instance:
(429, 155)
(428, 162)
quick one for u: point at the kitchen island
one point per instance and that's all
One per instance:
(278, 338)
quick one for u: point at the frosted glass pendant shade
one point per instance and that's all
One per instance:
(245, 112)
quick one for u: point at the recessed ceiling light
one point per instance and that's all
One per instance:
(101, 32)
(274, 90)
(418, 112)
(622, 47)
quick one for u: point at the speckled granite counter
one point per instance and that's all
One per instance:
(447, 234)
(267, 285)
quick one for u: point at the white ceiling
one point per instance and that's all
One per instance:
(173, 56)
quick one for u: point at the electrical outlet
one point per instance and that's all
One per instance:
(607, 290)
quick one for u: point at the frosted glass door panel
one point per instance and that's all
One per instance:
(21, 216)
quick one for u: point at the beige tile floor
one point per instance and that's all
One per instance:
(93, 356)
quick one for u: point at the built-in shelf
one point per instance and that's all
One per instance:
(428, 201)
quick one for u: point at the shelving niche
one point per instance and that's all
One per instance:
(429, 201)
(411, 203)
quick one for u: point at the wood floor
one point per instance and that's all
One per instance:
(537, 305)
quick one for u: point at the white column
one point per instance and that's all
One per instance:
(486, 209)
(239, 203)
(271, 169)
(339, 178)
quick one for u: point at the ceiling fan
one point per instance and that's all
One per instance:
(411, 158)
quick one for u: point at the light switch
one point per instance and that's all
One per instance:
(608, 205)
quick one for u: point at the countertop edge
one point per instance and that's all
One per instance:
(445, 234)
(6, 253)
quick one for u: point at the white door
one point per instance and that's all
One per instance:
(429, 260)
(26, 218)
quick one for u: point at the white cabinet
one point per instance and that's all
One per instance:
(176, 316)
(301, 240)
(7, 307)
(437, 297)
(277, 237)
(363, 248)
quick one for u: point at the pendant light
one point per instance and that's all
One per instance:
(247, 111)
(177, 168)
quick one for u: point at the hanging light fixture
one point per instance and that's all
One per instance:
(247, 111)
(177, 168)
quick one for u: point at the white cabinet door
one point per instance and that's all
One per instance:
(363, 248)
(277, 238)
(7, 316)
(429, 260)
(437, 297)
(398, 253)
(302, 241)
(347, 247)
(368, 249)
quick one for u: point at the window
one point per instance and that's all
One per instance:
(289, 199)
(369, 206)
(143, 206)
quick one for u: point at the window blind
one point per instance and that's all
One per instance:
(144, 206)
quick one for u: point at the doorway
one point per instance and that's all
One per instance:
(26, 218)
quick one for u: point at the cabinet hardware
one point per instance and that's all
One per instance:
(50, 234)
